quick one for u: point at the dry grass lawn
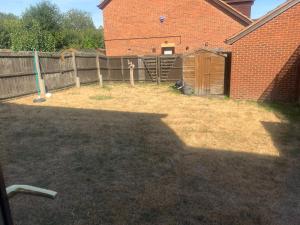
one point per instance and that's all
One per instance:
(148, 155)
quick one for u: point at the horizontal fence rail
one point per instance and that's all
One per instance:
(18, 76)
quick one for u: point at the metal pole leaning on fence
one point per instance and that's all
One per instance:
(40, 78)
(99, 71)
(77, 79)
(131, 67)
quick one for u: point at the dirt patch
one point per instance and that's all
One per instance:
(148, 155)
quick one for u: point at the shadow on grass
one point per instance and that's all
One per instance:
(285, 133)
(130, 168)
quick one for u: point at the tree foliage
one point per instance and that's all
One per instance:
(46, 14)
(34, 37)
(77, 20)
(45, 28)
(7, 16)
(4, 37)
(6, 27)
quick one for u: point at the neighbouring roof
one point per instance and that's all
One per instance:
(232, 11)
(103, 3)
(263, 20)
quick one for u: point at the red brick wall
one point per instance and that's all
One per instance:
(244, 6)
(264, 63)
(194, 23)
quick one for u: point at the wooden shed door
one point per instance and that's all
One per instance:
(209, 74)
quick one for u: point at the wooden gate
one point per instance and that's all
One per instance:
(163, 68)
(150, 64)
(205, 72)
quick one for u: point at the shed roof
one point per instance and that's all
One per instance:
(226, 7)
(220, 52)
(263, 20)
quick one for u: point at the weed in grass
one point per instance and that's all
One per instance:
(174, 90)
(107, 87)
(226, 97)
(75, 93)
(101, 97)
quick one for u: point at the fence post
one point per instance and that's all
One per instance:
(122, 68)
(158, 69)
(141, 69)
(40, 78)
(108, 68)
(131, 67)
(99, 71)
(77, 79)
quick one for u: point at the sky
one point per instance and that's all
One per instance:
(17, 7)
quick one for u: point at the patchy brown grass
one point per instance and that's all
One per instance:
(148, 155)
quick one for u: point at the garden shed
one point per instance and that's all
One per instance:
(205, 71)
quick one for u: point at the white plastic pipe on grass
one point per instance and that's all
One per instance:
(14, 189)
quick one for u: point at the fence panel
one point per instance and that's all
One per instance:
(104, 68)
(57, 72)
(87, 68)
(164, 68)
(17, 76)
(17, 86)
(115, 67)
(134, 60)
(175, 72)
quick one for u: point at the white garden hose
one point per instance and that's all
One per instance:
(14, 189)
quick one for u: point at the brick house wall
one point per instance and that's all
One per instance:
(265, 63)
(134, 28)
(244, 6)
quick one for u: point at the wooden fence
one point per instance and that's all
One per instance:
(17, 73)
